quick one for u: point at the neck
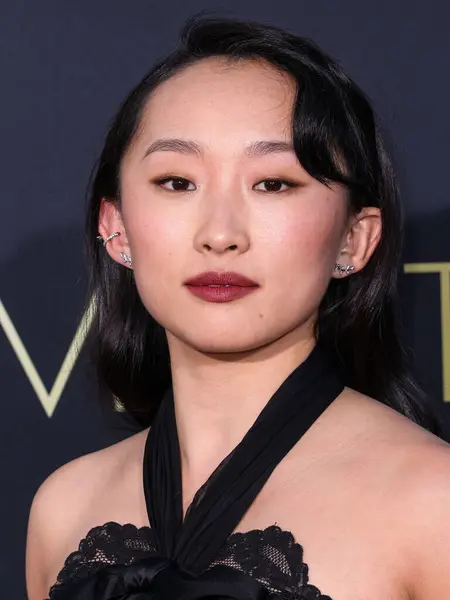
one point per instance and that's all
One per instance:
(218, 398)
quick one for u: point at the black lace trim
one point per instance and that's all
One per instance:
(105, 545)
(270, 555)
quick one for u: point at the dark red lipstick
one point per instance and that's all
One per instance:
(220, 287)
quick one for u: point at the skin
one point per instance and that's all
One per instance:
(365, 491)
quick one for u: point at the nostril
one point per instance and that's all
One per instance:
(230, 247)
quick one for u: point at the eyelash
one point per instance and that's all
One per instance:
(290, 184)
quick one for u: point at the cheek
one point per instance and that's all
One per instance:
(308, 241)
(301, 256)
(155, 240)
(154, 230)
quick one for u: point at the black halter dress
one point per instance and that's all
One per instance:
(202, 557)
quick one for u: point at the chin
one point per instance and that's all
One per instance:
(229, 342)
(224, 349)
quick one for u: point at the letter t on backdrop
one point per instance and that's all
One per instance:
(444, 280)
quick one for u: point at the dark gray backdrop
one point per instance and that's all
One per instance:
(64, 68)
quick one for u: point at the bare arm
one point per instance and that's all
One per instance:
(429, 527)
(56, 517)
(37, 551)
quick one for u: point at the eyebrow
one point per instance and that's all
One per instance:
(254, 150)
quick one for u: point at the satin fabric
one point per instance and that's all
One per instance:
(156, 578)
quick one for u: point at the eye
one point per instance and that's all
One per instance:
(275, 185)
(176, 184)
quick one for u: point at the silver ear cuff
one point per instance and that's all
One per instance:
(126, 258)
(106, 240)
(343, 270)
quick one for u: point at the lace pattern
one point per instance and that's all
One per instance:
(270, 555)
(108, 544)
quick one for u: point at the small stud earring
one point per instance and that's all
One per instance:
(344, 270)
(126, 259)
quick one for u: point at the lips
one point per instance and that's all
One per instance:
(220, 287)
(213, 278)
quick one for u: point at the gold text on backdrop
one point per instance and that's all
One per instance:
(49, 400)
(444, 281)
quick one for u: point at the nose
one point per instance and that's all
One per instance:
(222, 227)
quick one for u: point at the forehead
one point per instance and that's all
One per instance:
(216, 97)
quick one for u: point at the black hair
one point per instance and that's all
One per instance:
(337, 139)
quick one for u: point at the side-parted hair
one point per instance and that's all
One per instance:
(336, 139)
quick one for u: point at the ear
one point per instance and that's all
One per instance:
(361, 239)
(109, 222)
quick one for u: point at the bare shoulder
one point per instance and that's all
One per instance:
(79, 482)
(382, 426)
(70, 501)
(423, 506)
(413, 466)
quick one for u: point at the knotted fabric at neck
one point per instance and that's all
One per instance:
(221, 502)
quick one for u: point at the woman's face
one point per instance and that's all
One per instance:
(225, 192)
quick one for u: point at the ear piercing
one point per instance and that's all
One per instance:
(126, 258)
(106, 240)
(343, 270)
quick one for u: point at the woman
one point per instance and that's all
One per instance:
(245, 294)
